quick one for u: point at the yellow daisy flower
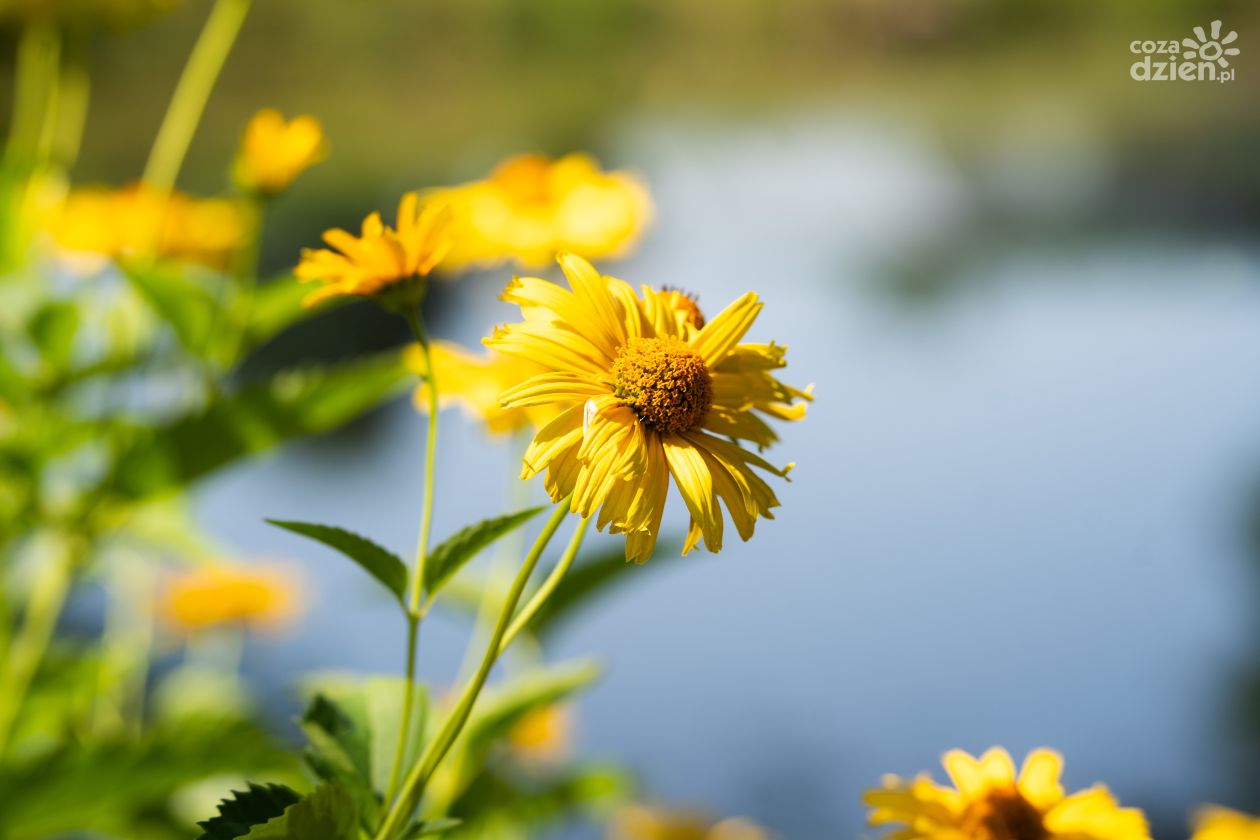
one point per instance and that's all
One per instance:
(641, 388)
(474, 382)
(544, 736)
(386, 262)
(1217, 823)
(275, 151)
(639, 822)
(988, 801)
(127, 222)
(260, 596)
(532, 208)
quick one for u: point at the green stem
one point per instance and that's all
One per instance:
(415, 616)
(38, 56)
(192, 92)
(413, 787)
(535, 604)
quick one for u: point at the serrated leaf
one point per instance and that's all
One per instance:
(380, 563)
(449, 557)
(339, 749)
(327, 814)
(588, 579)
(246, 809)
(291, 404)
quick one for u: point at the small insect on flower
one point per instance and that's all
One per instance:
(274, 152)
(532, 207)
(1216, 823)
(988, 801)
(639, 822)
(642, 388)
(544, 735)
(474, 382)
(389, 263)
(262, 597)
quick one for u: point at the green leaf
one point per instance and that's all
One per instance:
(587, 580)
(381, 564)
(182, 300)
(339, 750)
(327, 814)
(450, 556)
(430, 828)
(292, 404)
(53, 330)
(247, 809)
(276, 304)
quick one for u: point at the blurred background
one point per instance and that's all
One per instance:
(1027, 504)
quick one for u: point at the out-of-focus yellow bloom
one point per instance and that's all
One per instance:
(544, 735)
(642, 388)
(381, 261)
(126, 222)
(108, 12)
(989, 802)
(259, 596)
(638, 822)
(274, 151)
(475, 382)
(1217, 823)
(532, 208)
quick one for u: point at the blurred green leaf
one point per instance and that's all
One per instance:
(451, 555)
(430, 828)
(327, 814)
(247, 809)
(587, 580)
(381, 564)
(276, 304)
(530, 802)
(182, 300)
(291, 404)
(53, 330)
(339, 750)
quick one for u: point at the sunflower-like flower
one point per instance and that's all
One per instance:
(474, 382)
(1217, 823)
(389, 263)
(259, 596)
(640, 389)
(988, 801)
(135, 220)
(544, 735)
(639, 822)
(532, 208)
(274, 152)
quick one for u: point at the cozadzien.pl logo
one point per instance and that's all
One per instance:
(1203, 58)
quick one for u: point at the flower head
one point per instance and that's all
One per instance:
(1217, 823)
(532, 208)
(639, 822)
(988, 801)
(544, 735)
(642, 388)
(275, 151)
(382, 261)
(474, 382)
(199, 599)
(130, 221)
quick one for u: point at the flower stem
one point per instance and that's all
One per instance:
(35, 81)
(414, 614)
(192, 92)
(526, 615)
(422, 771)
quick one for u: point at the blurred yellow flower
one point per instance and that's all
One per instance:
(639, 391)
(544, 735)
(126, 222)
(1217, 823)
(532, 208)
(989, 802)
(638, 822)
(260, 596)
(275, 151)
(382, 261)
(475, 382)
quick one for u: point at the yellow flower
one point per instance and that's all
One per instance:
(641, 388)
(274, 152)
(638, 822)
(532, 208)
(198, 599)
(123, 223)
(381, 261)
(544, 735)
(1217, 823)
(475, 383)
(989, 802)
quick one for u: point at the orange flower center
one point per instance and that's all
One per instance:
(665, 382)
(1003, 814)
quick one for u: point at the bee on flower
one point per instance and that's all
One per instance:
(988, 801)
(532, 208)
(1216, 823)
(388, 263)
(639, 822)
(260, 597)
(641, 389)
(275, 151)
